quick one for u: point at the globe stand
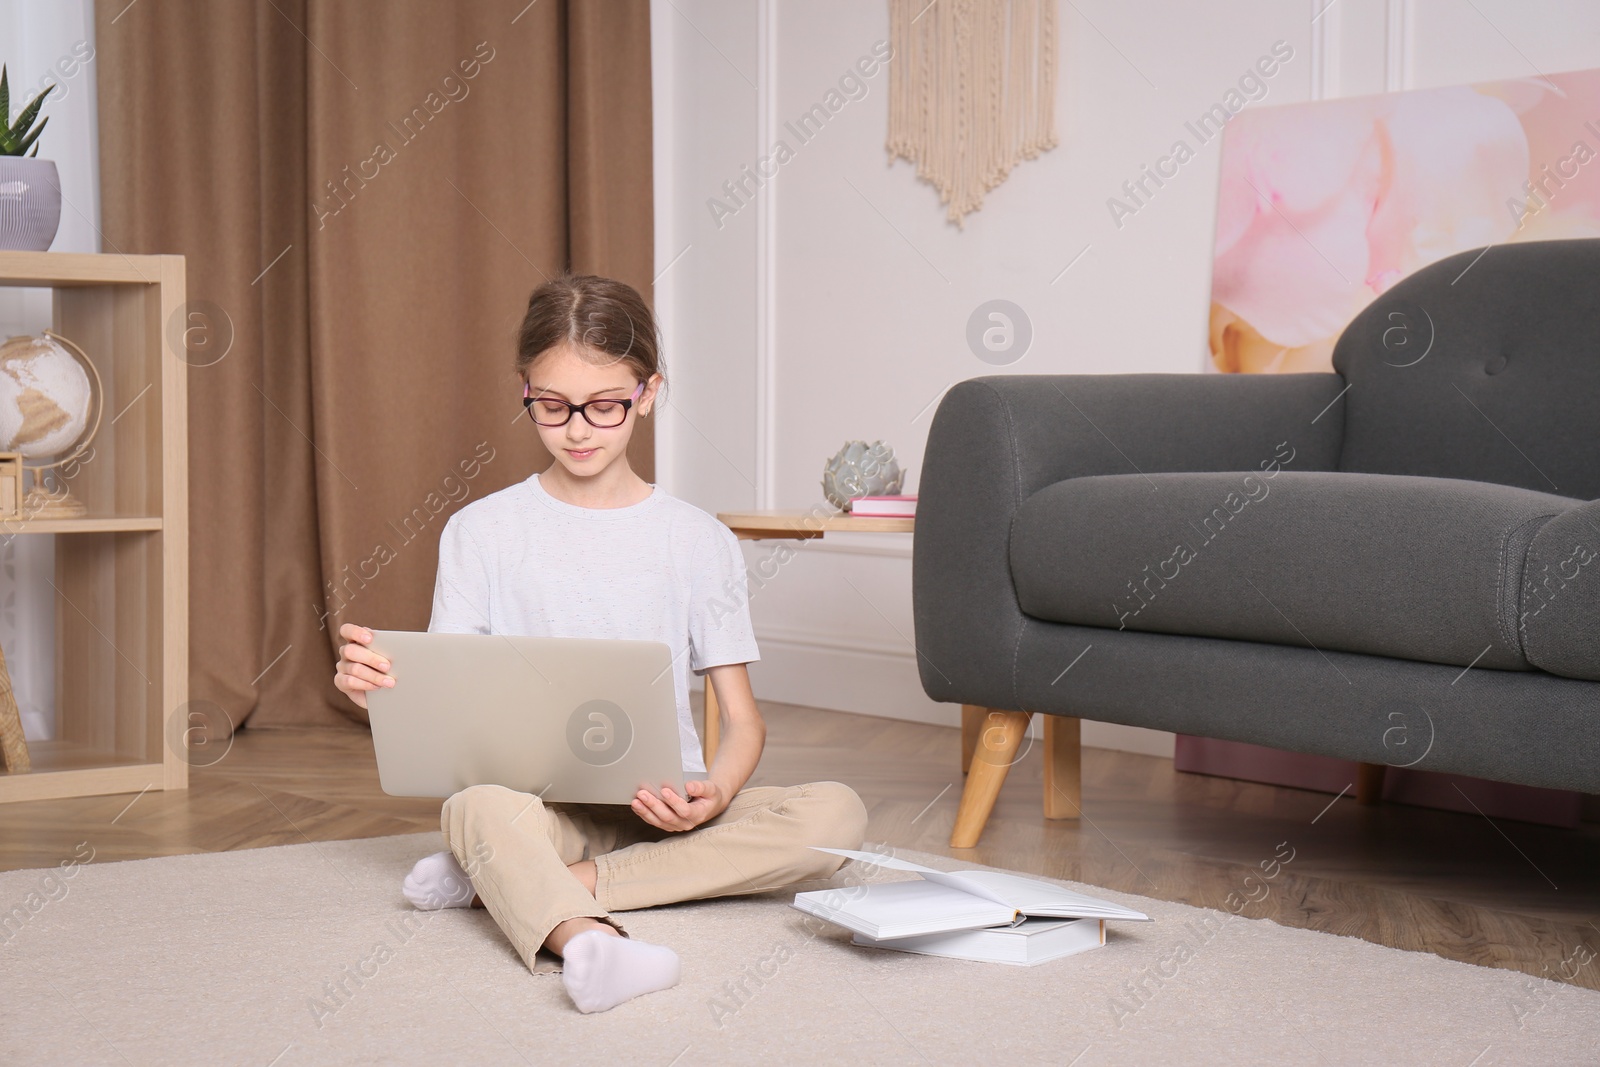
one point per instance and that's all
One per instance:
(41, 503)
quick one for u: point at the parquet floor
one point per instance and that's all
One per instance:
(1501, 894)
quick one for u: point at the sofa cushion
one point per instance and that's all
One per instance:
(1560, 622)
(1480, 365)
(1427, 569)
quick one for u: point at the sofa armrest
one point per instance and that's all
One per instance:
(997, 440)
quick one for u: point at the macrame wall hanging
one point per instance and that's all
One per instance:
(972, 90)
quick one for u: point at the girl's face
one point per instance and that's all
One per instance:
(561, 374)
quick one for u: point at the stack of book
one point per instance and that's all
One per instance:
(989, 916)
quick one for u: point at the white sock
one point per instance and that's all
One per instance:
(437, 881)
(602, 970)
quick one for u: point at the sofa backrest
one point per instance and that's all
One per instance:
(1484, 366)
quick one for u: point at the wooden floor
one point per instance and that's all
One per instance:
(1501, 894)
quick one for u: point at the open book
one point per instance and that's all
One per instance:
(941, 901)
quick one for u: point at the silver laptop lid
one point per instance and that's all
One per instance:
(569, 719)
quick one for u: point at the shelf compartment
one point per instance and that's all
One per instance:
(120, 473)
(109, 643)
(69, 769)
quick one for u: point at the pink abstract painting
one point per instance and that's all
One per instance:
(1323, 206)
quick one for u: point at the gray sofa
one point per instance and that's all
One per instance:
(1397, 563)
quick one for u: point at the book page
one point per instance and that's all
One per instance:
(1034, 897)
(1027, 895)
(945, 878)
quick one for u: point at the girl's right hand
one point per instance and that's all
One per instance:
(360, 668)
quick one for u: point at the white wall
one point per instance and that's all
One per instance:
(835, 305)
(46, 43)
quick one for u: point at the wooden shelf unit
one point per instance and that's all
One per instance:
(121, 572)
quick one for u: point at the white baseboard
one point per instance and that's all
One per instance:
(822, 672)
(868, 680)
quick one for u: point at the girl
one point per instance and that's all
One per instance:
(589, 549)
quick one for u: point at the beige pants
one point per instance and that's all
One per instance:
(516, 849)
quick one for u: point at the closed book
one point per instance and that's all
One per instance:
(1024, 945)
(884, 507)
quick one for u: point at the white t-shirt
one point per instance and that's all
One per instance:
(519, 561)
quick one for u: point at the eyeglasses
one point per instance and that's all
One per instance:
(603, 414)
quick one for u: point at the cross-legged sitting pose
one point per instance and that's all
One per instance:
(590, 549)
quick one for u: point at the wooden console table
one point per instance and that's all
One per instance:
(805, 525)
(792, 525)
(990, 738)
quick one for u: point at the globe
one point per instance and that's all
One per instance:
(45, 397)
(47, 404)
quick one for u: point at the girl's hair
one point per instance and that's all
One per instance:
(603, 320)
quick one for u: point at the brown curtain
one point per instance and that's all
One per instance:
(366, 192)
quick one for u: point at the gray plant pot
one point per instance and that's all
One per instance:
(30, 203)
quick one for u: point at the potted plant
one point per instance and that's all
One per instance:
(30, 188)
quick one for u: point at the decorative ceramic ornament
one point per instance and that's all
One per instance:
(860, 469)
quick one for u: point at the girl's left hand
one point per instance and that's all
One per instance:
(669, 811)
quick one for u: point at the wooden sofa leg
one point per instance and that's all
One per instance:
(997, 745)
(972, 716)
(1369, 783)
(1063, 767)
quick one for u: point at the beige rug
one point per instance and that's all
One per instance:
(308, 955)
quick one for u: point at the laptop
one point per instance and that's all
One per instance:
(569, 719)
